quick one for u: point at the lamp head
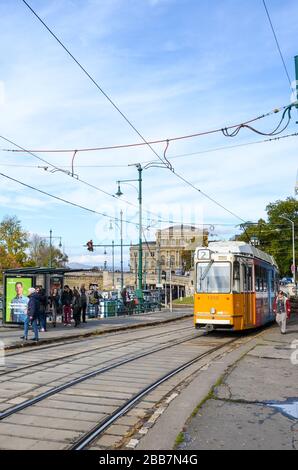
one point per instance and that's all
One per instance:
(119, 192)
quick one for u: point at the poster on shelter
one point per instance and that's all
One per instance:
(16, 297)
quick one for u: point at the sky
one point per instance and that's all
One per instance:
(173, 68)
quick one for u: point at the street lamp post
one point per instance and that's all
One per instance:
(121, 249)
(170, 282)
(121, 246)
(293, 244)
(140, 271)
(51, 246)
(50, 262)
(113, 264)
(140, 263)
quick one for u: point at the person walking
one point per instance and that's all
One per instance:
(66, 300)
(83, 303)
(282, 311)
(76, 305)
(32, 314)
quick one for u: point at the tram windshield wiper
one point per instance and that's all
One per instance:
(204, 274)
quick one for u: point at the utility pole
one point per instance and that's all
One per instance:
(140, 266)
(121, 243)
(145, 270)
(296, 73)
(159, 270)
(293, 245)
(139, 290)
(113, 263)
(51, 246)
(170, 280)
(50, 261)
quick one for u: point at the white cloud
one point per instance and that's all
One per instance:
(179, 77)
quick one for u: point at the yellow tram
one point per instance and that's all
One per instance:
(235, 284)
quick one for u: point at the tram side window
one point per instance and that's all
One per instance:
(244, 277)
(265, 279)
(249, 279)
(257, 278)
(236, 277)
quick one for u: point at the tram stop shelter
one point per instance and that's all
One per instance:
(16, 283)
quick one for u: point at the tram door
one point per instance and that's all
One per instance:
(247, 294)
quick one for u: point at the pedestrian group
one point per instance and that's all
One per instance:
(67, 303)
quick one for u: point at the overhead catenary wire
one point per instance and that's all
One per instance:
(167, 141)
(182, 155)
(93, 81)
(165, 162)
(64, 200)
(277, 44)
(70, 173)
(97, 212)
(109, 194)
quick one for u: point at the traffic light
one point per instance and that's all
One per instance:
(90, 245)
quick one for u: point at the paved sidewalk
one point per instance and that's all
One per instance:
(255, 403)
(11, 336)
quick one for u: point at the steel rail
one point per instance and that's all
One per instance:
(88, 437)
(71, 383)
(28, 366)
(91, 335)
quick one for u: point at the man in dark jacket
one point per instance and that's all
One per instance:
(66, 300)
(32, 314)
(83, 303)
(43, 302)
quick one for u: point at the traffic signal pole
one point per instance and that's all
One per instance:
(296, 72)
(140, 264)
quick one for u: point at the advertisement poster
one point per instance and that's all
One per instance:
(16, 298)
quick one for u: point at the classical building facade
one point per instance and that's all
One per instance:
(168, 249)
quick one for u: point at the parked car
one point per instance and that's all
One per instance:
(285, 281)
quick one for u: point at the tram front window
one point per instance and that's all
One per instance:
(214, 278)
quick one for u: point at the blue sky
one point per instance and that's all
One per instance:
(174, 67)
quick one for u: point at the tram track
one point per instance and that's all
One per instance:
(72, 415)
(76, 354)
(42, 408)
(100, 428)
(87, 376)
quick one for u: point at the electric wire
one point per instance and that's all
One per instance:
(224, 130)
(190, 154)
(76, 177)
(93, 80)
(277, 44)
(65, 200)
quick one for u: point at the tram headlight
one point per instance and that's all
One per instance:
(213, 311)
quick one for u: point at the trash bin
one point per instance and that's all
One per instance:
(111, 309)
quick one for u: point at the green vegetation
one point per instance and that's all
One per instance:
(18, 249)
(184, 301)
(179, 439)
(275, 236)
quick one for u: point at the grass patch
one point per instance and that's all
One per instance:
(184, 301)
(179, 440)
(208, 397)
